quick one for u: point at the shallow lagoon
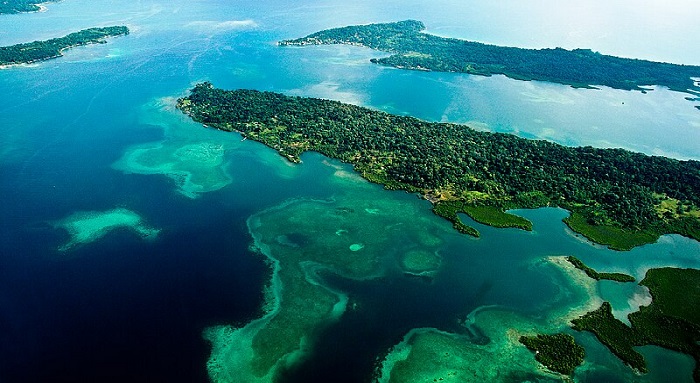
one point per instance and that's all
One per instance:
(65, 123)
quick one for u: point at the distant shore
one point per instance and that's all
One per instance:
(36, 6)
(36, 51)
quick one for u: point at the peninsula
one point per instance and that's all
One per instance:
(28, 53)
(617, 277)
(617, 197)
(410, 48)
(19, 6)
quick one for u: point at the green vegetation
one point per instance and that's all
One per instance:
(618, 277)
(614, 334)
(463, 170)
(614, 237)
(676, 292)
(412, 49)
(492, 216)
(44, 50)
(449, 210)
(558, 352)
(487, 215)
(18, 6)
(671, 321)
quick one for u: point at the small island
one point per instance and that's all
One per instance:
(28, 53)
(411, 48)
(558, 352)
(20, 6)
(617, 197)
(671, 321)
(617, 277)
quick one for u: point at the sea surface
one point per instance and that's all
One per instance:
(125, 228)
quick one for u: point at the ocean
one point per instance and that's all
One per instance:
(128, 230)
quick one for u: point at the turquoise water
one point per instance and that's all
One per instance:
(126, 228)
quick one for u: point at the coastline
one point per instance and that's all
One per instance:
(412, 47)
(59, 52)
(584, 282)
(268, 118)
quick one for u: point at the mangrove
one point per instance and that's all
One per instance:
(671, 321)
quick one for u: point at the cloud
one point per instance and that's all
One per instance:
(222, 26)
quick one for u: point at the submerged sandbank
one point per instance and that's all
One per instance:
(491, 335)
(355, 235)
(189, 157)
(88, 226)
(431, 355)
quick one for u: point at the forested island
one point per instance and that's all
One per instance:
(19, 6)
(671, 321)
(410, 48)
(557, 352)
(617, 197)
(28, 53)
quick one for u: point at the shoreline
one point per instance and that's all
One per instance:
(59, 52)
(272, 109)
(578, 278)
(412, 47)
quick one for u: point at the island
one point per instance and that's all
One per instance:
(558, 352)
(19, 6)
(671, 321)
(411, 48)
(617, 277)
(28, 53)
(617, 197)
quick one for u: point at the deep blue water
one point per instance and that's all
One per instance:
(125, 309)
(120, 310)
